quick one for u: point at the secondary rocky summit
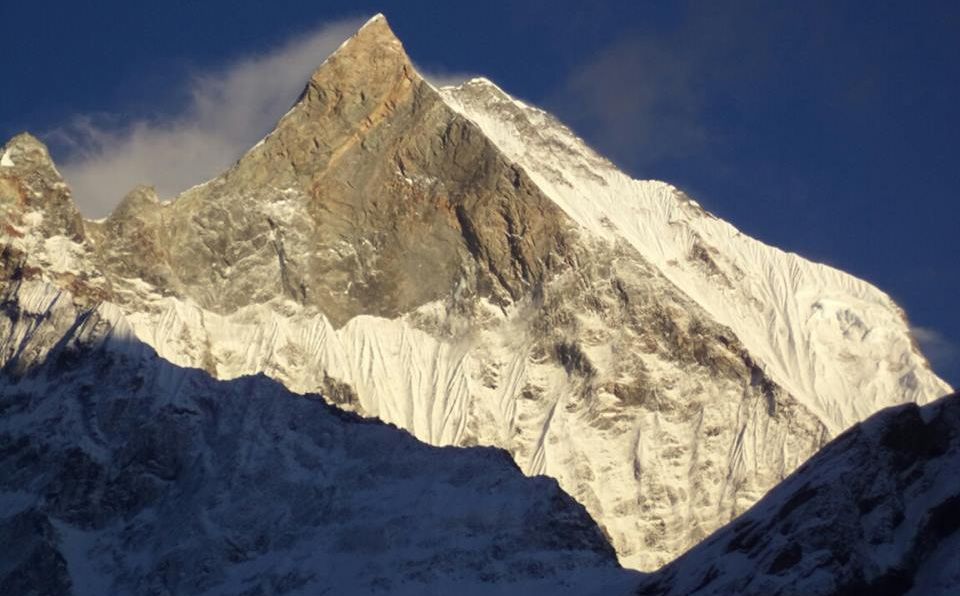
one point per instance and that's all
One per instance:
(460, 264)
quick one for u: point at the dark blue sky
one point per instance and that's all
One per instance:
(829, 129)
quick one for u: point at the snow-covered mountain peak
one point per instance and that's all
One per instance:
(459, 263)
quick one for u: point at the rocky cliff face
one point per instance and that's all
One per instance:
(371, 197)
(459, 264)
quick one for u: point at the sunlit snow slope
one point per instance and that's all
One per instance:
(834, 340)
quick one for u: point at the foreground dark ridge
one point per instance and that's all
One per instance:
(877, 511)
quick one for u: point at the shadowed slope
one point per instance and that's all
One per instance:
(877, 511)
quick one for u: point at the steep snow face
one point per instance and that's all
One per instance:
(839, 344)
(380, 367)
(876, 511)
(122, 473)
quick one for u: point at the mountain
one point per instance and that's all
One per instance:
(458, 263)
(877, 511)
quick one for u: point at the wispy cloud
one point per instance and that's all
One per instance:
(229, 110)
(638, 95)
(442, 78)
(943, 354)
(646, 96)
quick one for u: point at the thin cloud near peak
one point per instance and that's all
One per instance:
(229, 110)
(942, 353)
